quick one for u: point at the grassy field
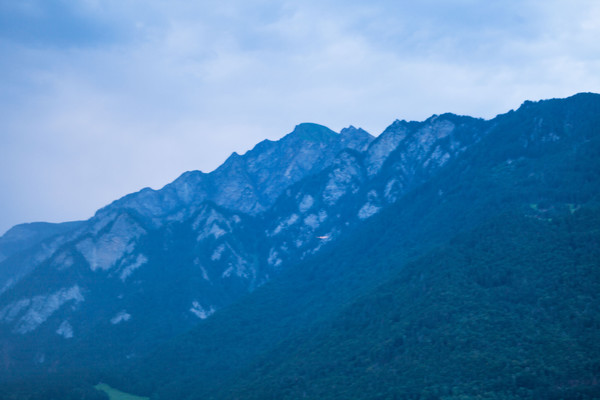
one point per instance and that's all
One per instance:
(115, 394)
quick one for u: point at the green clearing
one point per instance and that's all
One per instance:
(115, 394)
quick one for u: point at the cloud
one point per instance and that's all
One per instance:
(101, 98)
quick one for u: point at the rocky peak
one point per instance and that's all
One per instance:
(184, 186)
(311, 132)
(250, 182)
(351, 130)
(355, 138)
(396, 125)
(233, 159)
(384, 145)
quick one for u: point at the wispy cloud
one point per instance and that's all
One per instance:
(102, 97)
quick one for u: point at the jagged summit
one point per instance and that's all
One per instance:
(351, 129)
(396, 125)
(263, 172)
(356, 138)
(250, 182)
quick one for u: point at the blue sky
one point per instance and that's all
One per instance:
(99, 98)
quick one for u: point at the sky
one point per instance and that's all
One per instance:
(100, 98)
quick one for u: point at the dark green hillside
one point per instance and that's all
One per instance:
(516, 218)
(509, 310)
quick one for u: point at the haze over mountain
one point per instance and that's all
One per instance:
(330, 264)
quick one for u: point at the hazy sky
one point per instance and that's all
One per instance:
(99, 98)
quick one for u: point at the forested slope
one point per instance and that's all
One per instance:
(482, 280)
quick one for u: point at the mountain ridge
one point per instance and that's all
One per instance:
(500, 189)
(151, 266)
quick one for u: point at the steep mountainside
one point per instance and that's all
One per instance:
(114, 267)
(520, 194)
(275, 244)
(467, 320)
(155, 262)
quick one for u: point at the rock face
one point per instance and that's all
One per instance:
(252, 182)
(185, 250)
(154, 263)
(23, 237)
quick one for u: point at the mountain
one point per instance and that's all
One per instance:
(466, 320)
(92, 273)
(249, 183)
(260, 264)
(497, 233)
(22, 237)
